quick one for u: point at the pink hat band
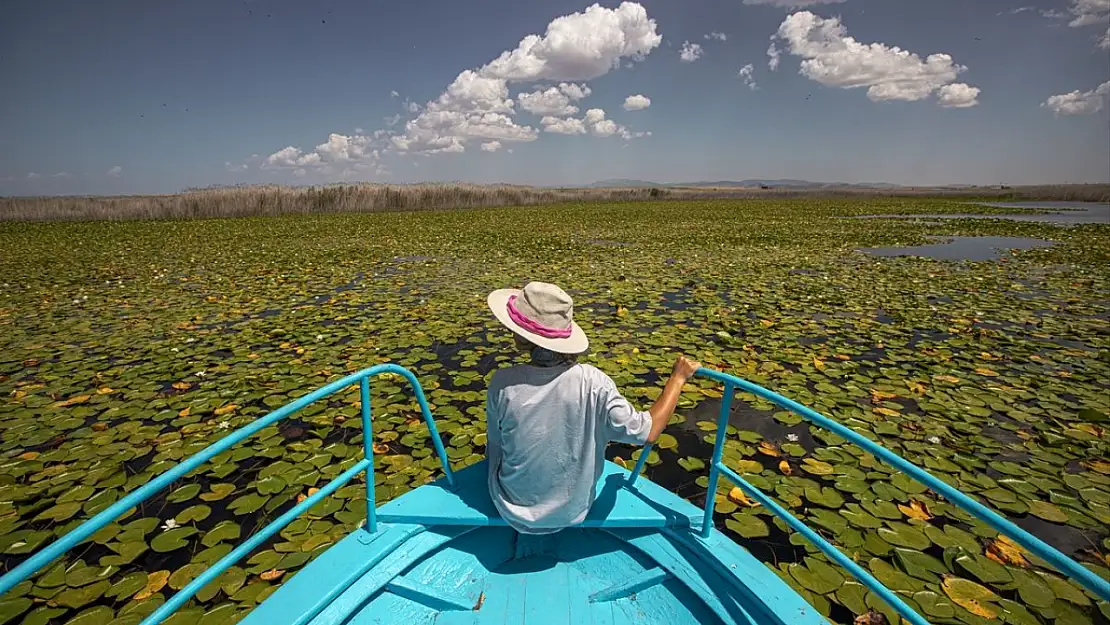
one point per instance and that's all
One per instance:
(533, 326)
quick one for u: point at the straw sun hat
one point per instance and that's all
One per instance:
(541, 313)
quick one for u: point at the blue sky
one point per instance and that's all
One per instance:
(129, 96)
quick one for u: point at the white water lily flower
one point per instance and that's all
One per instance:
(190, 340)
(793, 438)
(169, 524)
(76, 301)
(935, 440)
(174, 349)
(201, 373)
(319, 337)
(223, 425)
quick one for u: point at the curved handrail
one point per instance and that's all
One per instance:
(59, 547)
(1061, 562)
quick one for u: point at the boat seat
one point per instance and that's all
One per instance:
(468, 503)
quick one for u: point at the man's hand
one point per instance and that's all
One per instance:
(684, 368)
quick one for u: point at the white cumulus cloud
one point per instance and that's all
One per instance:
(477, 105)
(601, 127)
(547, 102)
(1104, 42)
(235, 167)
(1089, 12)
(574, 91)
(491, 146)
(576, 47)
(834, 59)
(717, 36)
(745, 74)
(1079, 102)
(115, 171)
(774, 57)
(690, 52)
(636, 102)
(958, 96)
(567, 126)
(792, 4)
(34, 175)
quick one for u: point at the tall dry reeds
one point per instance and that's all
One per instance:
(278, 200)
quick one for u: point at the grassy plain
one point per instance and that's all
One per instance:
(127, 346)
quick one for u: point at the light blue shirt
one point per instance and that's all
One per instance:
(547, 428)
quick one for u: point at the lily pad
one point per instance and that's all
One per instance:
(904, 535)
(172, 539)
(747, 525)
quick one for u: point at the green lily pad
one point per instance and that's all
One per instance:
(172, 539)
(851, 595)
(224, 530)
(816, 467)
(223, 613)
(127, 585)
(824, 496)
(270, 485)
(12, 608)
(99, 615)
(933, 605)
(1014, 613)
(920, 565)
(193, 513)
(666, 441)
(816, 576)
(183, 494)
(82, 596)
(892, 578)
(217, 492)
(747, 525)
(904, 535)
(42, 615)
(182, 576)
(984, 569)
(247, 504)
(1047, 511)
(691, 464)
(1033, 590)
(1064, 589)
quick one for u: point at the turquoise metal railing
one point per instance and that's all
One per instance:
(1043, 550)
(59, 547)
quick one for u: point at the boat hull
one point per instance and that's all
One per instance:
(415, 573)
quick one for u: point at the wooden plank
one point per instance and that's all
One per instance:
(468, 503)
(634, 584)
(717, 597)
(403, 557)
(548, 595)
(432, 597)
(731, 561)
(310, 590)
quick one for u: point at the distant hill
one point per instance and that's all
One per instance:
(751, 183)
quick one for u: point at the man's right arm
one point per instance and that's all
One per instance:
(664, 405)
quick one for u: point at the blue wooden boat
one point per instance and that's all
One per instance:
(440, 554)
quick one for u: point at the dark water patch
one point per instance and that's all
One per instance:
(1058, 213)
(744, 417)
(1069, 540)
(963, 248)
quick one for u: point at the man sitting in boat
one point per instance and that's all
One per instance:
(549, 421)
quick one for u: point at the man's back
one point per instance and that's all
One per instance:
(547, 432)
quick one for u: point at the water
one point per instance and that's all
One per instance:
(963, 248)
(1065, 213)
